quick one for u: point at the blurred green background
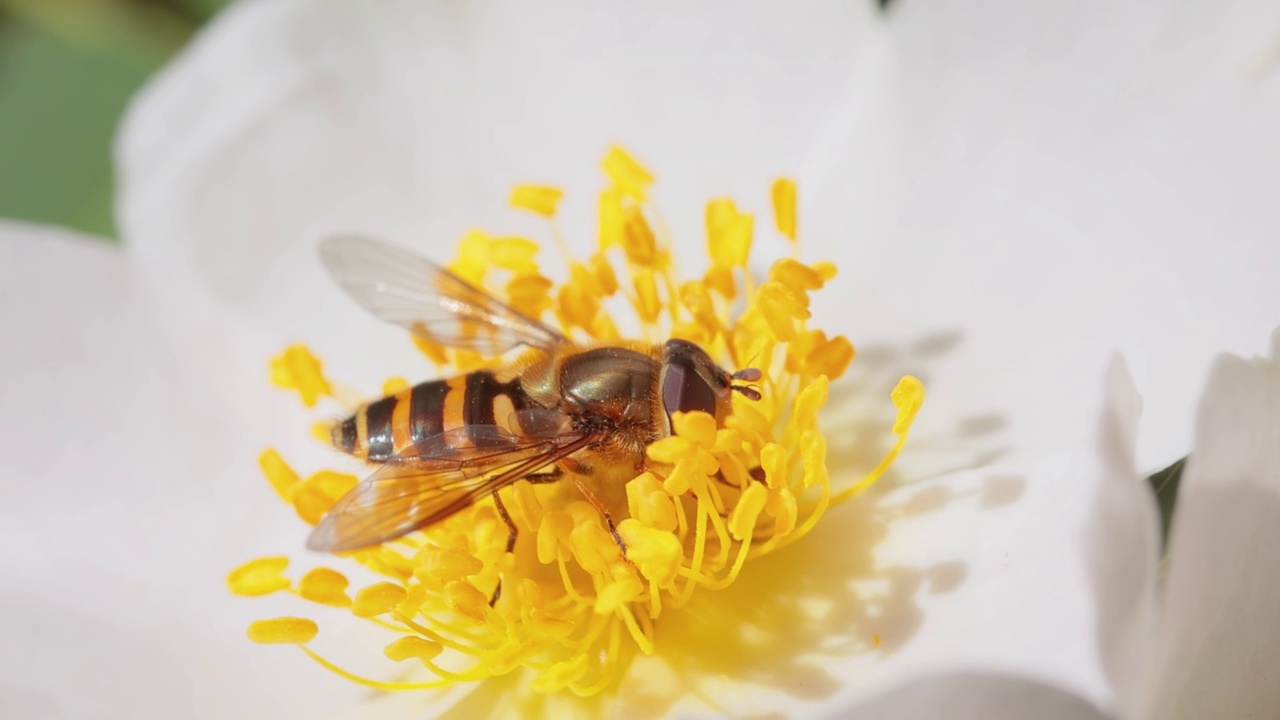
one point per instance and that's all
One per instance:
(67, 70)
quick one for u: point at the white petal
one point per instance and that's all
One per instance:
(974, 696)
(1218, 640)
(289, 121)
(127, 468)
(988, 571)
(1123, 547)
(1076, 225)
(1038, 186)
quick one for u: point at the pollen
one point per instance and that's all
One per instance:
(539, 199)
(259, 577)
(297, 369)
(325, 586)
(283, 631)
(784, 207)
(595, 573)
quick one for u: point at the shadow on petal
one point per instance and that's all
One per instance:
(974, 696)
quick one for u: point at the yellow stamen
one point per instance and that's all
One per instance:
(259, 577)
(784, 206)
(540, 199)
(325, 586)
(283, 631)
(297, 369)
(377, 599)
(567, 605)
(282, 477)
(626, 173)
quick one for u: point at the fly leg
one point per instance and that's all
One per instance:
(604, 512)
(512, 530)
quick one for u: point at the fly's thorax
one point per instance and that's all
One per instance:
(615, 383)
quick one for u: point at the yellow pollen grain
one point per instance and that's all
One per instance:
(412, 647)
(648, 305)
(259, 577)
(784, 508)
(826, 270)
(609, 216)
(393, 385)
(530, 294)
(377, 599)
(773, 459)
(638, 241)
(539, 199)
(603, 273)
(314, 496)
(670, 449)
(798, 277)
(297, 369)
(729, 233)
(832, 358)
(466, 600)
(325, 586)
(719, 278)
(626, 173)
(907, 396)
(698, 428)
(783, 194)
(282, 477)
(283, 631)
(515, 254)
(472, 261)
(742, 521)
(435, 352)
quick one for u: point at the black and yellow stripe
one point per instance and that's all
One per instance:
(381, 429)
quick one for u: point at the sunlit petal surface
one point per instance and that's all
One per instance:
(1061, 182)
(1011, 191)
(122, 475)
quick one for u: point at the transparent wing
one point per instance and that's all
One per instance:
(410, 291)
(434, 479)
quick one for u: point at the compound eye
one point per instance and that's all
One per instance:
(684, 390)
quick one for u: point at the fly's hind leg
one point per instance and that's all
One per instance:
(512, 530)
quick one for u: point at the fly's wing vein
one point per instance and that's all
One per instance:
(427, 483)
(405, 289)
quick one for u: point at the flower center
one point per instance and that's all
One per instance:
(574, 601)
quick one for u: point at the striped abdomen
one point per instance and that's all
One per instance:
(383, 428)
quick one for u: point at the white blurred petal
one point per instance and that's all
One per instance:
(1048, 183)
(974, 696)
(289, 120)
(130, 487)
(1218, 643)
(1123, 546)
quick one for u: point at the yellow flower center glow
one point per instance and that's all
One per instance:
(573, 610)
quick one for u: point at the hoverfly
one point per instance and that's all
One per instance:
(559, 410)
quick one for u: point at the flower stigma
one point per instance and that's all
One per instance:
(573, 610)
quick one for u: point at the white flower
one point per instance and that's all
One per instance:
(1203, 643)
(1012, 193)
